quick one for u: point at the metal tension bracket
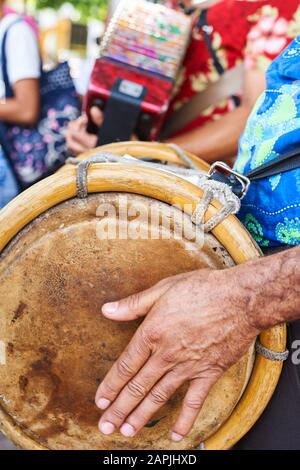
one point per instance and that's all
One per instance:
(238, 183)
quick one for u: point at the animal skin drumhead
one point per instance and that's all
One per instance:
(54, 278)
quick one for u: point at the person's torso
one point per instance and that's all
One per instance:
(255, 31)
(271, 209)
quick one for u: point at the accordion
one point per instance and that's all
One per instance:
(133, 80)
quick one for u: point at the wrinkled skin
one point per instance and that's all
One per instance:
(194, 330)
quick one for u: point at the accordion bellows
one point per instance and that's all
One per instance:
(148, 36)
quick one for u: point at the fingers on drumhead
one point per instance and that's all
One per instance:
(191, 407)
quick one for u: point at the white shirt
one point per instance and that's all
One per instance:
(82, 81)
(22, 51)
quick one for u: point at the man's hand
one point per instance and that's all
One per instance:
(195, 329)
(78, 139)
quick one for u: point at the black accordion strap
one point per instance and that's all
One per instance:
(282, 164)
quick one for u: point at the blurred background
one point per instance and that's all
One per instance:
(68, 31)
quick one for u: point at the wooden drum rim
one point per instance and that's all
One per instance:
(156, 151)
(172, 190)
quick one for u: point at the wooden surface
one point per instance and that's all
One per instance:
(54, 278)
(171, 190)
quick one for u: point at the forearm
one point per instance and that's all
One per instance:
(12, 111)
(270, 289)
(216, 140)
(24, 107)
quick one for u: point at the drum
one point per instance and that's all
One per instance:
(58, 266)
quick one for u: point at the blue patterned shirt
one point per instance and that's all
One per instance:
(271, 209)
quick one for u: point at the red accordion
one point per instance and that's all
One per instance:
(133, 80)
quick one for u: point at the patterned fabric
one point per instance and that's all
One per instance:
(34, 152)
(254, 32)
(271, 209)
(37, 151)
(8, 184)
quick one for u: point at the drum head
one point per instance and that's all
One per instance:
(57, 347)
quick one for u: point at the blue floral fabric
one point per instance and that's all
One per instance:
(271, 209)
(8, 184)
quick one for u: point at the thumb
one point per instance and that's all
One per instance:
(96, 116)
(136, 305)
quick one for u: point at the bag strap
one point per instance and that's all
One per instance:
(282, 164)
(8, 94)
(207, 30)
(230, 82)
(239, 184)
(229, 85)
(8, 89)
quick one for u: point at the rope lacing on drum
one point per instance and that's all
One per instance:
(212, 189)
(269, 354)
(183, 156)
(220, 191)
(83, 166)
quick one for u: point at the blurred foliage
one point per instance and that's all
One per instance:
(89, 9)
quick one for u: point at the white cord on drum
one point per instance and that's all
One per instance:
(212, 189)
